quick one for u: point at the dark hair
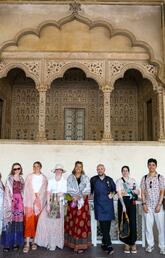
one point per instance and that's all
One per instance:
(152, 160)
(126, 168)
(13, 172)
(76, 163)
(38, 163)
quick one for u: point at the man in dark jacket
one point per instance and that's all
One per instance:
(103, 188)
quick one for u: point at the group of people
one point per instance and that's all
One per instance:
(55, 213)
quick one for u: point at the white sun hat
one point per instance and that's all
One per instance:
(58, 166)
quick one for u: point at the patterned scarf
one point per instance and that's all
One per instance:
(8, 196)
(73, 188)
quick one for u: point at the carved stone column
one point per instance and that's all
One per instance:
(42, 115)
(107, 136)
(161, 108)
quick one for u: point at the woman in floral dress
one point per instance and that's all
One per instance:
(12, 231)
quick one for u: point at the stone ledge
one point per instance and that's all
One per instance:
(86, 142)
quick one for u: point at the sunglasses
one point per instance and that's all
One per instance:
(150, 184)
(15, 169)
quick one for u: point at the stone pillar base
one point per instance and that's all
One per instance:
(107, 137)
(161, 139)
(41, 136)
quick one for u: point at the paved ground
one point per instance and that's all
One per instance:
(93, 252)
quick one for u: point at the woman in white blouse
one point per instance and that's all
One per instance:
(127, 195)
(50, 228)
(34, 202)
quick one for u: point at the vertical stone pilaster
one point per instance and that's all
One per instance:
(42, 115)
(107, 113)
(161, 108)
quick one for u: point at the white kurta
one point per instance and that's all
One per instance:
(50, 231)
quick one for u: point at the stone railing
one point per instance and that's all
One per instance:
(96, 232)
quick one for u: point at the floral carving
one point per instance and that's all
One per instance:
(34, 67)
(95, 67)
(150, 68)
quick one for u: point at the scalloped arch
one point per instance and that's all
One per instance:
(11, 66)
(81, 66)
(141, 70)
(91, 24)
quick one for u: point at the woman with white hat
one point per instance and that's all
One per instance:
(50, 228)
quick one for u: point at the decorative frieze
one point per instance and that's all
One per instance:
(56, 69)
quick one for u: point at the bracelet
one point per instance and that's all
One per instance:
(143, 203)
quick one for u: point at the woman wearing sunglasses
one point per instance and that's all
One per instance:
(12, 232)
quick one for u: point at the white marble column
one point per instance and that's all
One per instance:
(42, 115)
(107, 113)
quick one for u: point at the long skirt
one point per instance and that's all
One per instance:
(30, 225)
(12, 233)
(77, 227)
(50, 231)
(1, 210)
(131, 211)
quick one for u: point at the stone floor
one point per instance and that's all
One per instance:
(93, 252)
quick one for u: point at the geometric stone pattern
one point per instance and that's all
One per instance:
(24, 112)
(124, 112)
(79, 94)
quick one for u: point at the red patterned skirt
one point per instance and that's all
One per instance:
(77, 227)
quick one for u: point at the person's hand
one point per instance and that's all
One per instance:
(157, 209)
(145, 208)
(136, 191)
(124, 208)
(48, 208)
(60, 194)
(76, 197)
(110, 195)
(91, 196)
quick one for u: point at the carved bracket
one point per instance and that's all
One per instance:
(117, 70)
(32, 69)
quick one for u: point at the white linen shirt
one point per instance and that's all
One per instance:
(37, 182)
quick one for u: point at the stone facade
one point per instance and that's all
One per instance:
(94, 71)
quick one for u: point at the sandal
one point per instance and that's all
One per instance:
(34, 247)
(80, 251)
(26, 249)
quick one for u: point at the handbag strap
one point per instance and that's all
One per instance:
(126, 216)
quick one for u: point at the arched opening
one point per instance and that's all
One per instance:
(74, 108)
(20, 109)
(134, 108)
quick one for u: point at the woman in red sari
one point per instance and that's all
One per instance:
(34, 202)
(77, 222)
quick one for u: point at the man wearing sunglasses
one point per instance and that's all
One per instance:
(152, 192)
